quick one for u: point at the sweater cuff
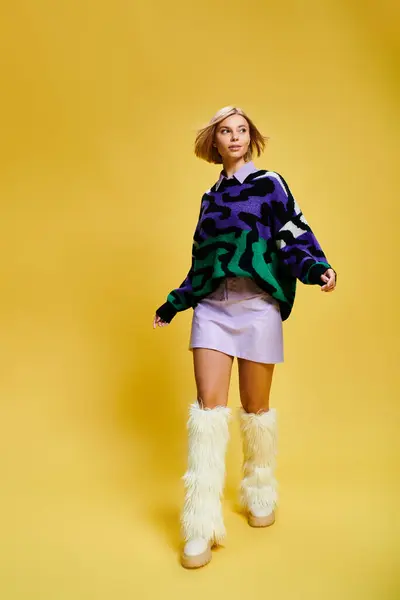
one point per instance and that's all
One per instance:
(166, 312)
(315, 272)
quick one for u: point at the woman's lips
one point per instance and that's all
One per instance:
(234, 147)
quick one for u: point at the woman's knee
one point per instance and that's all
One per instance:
(211, 400)
(255, 381)
(256, 408)
(255, 405)
(212, 373)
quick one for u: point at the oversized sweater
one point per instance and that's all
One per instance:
(249, 225)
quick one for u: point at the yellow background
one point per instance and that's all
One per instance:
(100, 192)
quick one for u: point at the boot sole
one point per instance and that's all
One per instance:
(199, 560)
(254, 521)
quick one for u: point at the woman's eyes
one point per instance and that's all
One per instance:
(223, 130)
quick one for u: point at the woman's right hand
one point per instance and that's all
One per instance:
(159, 322)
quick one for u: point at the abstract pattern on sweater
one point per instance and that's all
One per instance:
(252, 229)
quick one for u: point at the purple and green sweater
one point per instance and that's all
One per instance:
(249, 225)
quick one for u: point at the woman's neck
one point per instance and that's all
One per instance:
(230, 167)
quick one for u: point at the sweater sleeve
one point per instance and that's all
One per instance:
(178, 299)
(297, 246)
(181, 298)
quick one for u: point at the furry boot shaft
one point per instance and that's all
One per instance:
(258, 488)
(208, 434)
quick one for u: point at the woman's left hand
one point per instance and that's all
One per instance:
(330, 281)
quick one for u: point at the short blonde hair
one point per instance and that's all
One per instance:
(203, 146)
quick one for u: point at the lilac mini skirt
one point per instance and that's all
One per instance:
(239, 319)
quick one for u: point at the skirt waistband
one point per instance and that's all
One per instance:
(236, 286)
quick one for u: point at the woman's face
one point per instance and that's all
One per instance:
(232, 137)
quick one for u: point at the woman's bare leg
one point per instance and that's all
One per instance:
(212, 371)
(255, 380)
(258, 428)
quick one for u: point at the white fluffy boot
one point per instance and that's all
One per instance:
(201, 518)
(258, 488)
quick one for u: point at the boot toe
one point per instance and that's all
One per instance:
(261, 518)
(196, 553)
(195, 546)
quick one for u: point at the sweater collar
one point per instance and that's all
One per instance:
(240, 174)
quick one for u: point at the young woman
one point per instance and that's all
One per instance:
(250, 246)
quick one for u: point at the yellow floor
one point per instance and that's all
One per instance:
(90, 506)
